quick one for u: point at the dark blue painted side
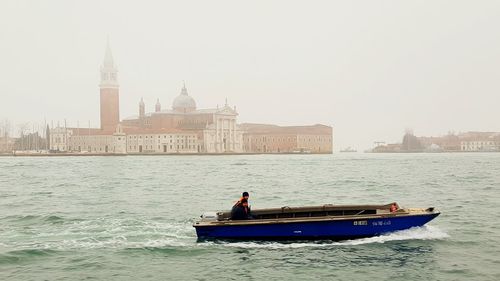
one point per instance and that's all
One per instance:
(338, 230)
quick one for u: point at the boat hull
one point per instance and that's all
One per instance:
(314, 230)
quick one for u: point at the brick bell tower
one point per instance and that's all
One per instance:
(110, 105)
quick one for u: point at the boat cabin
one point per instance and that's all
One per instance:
(314, 211)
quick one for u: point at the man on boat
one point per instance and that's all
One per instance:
(245, 196)
(241, 210)
(394, 207)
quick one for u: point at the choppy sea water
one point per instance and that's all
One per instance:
(129, 218)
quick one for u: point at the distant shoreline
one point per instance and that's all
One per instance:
(429, 152)
(222, 154)
(151, 154)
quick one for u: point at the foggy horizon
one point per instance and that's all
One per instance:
(369, 70)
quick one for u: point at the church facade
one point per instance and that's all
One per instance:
(211, 130)
(182, 128)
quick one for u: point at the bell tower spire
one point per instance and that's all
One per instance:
(109, 71)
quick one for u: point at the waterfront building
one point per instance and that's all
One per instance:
(59, 139)
(265, 138)
(88, 140)
(462, 142)
(162, 142)
(449, 142)
(122, 141)
(480, 141)
(479, 145)
(7, 144)
(411, 143)
(216, 129)
(184, 128)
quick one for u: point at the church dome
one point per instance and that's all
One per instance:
(183, 102)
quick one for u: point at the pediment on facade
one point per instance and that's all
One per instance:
(227, 111)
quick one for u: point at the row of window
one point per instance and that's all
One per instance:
(164, 136)
(282, 139)
(146, 142)
(478, 143)
(90, 148)
(134, 147)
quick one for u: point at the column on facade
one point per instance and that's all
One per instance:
(217, 135)
(231, 130)
(233, 122)
(222, 128)
(225, 128)
(221, 135)
(229, 134)
(235, 139)
(216, 140)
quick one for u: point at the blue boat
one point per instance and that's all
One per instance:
(331, 222)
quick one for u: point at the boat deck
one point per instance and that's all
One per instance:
(313, 214)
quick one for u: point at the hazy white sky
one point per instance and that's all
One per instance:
(370, 69)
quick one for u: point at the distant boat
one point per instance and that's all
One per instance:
(348, 149)
(331, 222)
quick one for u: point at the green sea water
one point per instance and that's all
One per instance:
(129, 218)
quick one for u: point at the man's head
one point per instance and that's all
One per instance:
(244, 202)
(245, 195)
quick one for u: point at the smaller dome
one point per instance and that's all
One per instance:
(183, 102)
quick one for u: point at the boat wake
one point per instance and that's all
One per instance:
(61, 234)
(416, 233)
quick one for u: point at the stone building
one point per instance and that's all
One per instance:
(449, 142)
(216, 129)
(411, 143)
(59, 139)
(480, 141)
(161, 141)
(87, 140)
(462, 142)
(7, 144)
(265, 138)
